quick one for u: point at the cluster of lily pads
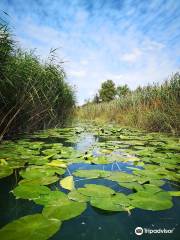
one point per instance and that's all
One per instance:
(151, 160)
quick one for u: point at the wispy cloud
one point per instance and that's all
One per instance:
(133, 42)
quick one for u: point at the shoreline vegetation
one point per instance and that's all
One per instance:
(34, 95)
(153, 108)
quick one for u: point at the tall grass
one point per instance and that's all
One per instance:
(155, 108)
(33, 95)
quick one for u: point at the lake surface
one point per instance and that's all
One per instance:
(120, 147)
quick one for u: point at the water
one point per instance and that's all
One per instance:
(95, 224)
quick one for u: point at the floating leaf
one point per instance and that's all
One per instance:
(120, 199)
(92, 173)
(52, 198)
(36, 172)
(67, 183)
(100, 160)
(96, 190)
(122, 177)
(64, 212)
(117, 202)
(134, 186)
(31, 227)
(57, 163)
(39, 181)
(78, 197)
(105, 204)
(5, 171)
(30, 191)
(151, 201)
(174, 193)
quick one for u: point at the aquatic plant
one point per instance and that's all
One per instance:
(149, 161)
(33, 95)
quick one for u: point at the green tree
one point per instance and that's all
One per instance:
(122, 90)
(107, 91)
(96, 99)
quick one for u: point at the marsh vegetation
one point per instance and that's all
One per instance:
(33, 94)
(154, 108)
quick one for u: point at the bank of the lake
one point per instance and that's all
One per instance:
(34, 93)
(155, 107)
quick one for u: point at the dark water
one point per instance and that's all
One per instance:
(95, 224)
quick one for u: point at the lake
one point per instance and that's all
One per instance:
(139, 169)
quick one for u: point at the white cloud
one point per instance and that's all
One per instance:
(132, 56)
(77, 73)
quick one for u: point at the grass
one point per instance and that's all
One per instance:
(153, 108)
(33, 95)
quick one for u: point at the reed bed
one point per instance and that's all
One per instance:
(33, 94)
(155, 108)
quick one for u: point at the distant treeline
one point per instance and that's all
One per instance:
(33, 95)
(155, 107)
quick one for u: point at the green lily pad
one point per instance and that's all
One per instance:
(133, 185)
(151, 201)
(36, 172)
(100, 160)
(52, 198)
(117, 202)
(35, 227)
(39, 181)
(105, 204)
(122, 177)
(57, 163)
(42, 172)
(174, 193)
(67, 183)
(30, 191)
(64, 212)
(78, 197)
(5, 171)
(92, 173)
(96, 190)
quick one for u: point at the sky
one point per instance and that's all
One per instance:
(133, 42)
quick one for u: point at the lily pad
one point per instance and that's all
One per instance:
(64, 212)
(100, 160)
(57, 163)
(92, 173)
(133, 185)
(36, 172)
(105, 204)
(52, 198)
(174, 193)
(39, 181)
(5, 171)
(30, 191)
(96, 190)
(122, 177)
(117, 202)
(151, 201)
(35, 227)
(67, 183)
(78, 197)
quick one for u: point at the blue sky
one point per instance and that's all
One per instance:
(132, 42)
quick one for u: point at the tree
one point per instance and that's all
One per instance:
(107, 91)
(96, 99)
(122, 90)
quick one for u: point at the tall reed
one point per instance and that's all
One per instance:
(155, 107)
(33, 95)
